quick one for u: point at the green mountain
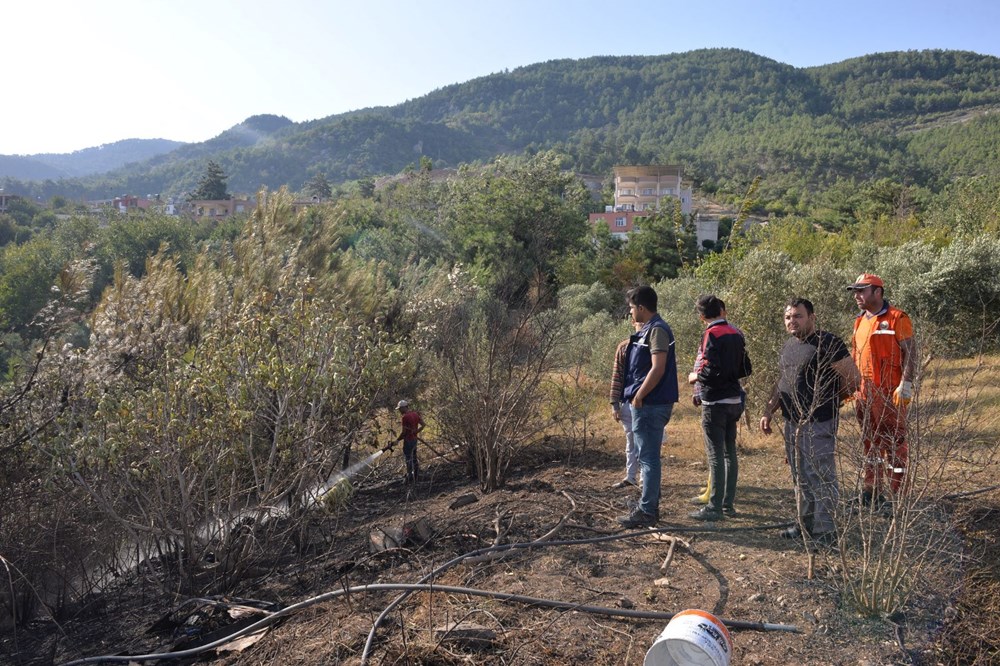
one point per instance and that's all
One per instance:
(919, 117)
(86, 162)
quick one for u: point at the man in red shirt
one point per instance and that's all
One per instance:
(412, 425)
(885, 353)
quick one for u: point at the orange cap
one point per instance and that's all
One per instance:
(867, 280)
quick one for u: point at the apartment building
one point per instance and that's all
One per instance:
(640, 190)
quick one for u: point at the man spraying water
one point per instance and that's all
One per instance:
(412, 424)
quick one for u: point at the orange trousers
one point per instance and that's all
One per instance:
(883, 434)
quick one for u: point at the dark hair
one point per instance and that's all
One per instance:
(709, 306)
(644, 296)
(796, 302)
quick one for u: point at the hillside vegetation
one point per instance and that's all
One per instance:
(726, 115)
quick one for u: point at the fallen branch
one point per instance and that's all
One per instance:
(497, 555)
(970, 493)
(518, 546)
(670, 551)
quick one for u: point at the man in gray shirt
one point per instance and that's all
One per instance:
(817, 370)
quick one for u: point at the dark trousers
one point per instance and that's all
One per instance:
(719, 422)
(410, 455)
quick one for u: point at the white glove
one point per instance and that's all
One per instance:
(903, 394)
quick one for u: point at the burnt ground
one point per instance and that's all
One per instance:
(738, 569)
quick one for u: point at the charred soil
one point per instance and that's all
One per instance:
(738, 568)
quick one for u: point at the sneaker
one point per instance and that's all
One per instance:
(700, 500)
(706, 513)
(625, 483)
(638, 518)
(729, 510)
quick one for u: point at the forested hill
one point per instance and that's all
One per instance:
(86, 162)
(727, 115)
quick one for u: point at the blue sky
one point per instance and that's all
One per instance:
(79, 73)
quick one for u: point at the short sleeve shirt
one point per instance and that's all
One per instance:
(411, 420)
(809, 387)
(659, 341)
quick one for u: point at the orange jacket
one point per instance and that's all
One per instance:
(877, 351)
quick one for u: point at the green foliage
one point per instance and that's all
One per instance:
(212, 186)
(803, 241)
(662, 245)
(27, 273)
(599, 258)
(577, 302)
(952, 293)
(22, 211)
(134, 238)
(676, 300)
(967, 206)
(592, 323)
(510, 222)
(319, 187)
(12, 232)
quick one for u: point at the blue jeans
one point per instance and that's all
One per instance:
(648, 422)
(410, 455)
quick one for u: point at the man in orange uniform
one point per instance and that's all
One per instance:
(885, 353)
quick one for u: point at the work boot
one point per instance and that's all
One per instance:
(638, 518)
(793, 532)
(706, 513)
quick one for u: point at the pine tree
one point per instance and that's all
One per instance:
(212, 186)
(319, 187)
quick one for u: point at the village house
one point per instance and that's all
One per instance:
(641, 190)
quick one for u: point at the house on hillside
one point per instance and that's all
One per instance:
(129, 203)
(640, 190)
(6, 199)
(217, 209)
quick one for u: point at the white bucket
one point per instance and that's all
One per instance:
(691, 638)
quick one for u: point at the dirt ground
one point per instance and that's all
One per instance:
(738, 569)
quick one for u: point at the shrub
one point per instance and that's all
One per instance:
(486, 383)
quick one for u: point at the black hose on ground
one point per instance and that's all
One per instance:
(419, 587)
(527, 545)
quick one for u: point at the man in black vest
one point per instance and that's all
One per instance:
(651, 391)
